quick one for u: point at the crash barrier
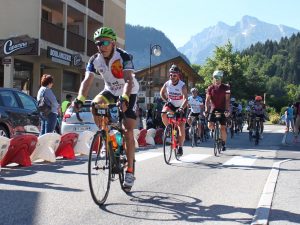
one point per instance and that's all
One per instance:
(46, 147)
(19, 150)
(25, 149)
(150, 136)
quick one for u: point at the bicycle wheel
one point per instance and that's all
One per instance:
(176, 148)
(167, 145)
(256, 135)
(99, 169)
(192, 135)
(216, 137)
(220, 146)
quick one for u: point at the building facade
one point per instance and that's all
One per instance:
(53, 37)
(152, 79)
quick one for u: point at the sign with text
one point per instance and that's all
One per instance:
(59, 56)
(21, 45)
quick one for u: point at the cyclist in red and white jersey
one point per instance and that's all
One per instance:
(174, 92)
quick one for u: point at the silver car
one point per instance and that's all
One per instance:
(70, 123)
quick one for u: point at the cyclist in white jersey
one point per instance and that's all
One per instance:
(115, 67)
(195, 102)
(174, 92)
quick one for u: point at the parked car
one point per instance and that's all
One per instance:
(18, 113)
(70, 123)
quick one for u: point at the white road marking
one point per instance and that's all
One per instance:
(147, 155)
(263, 208)
(191, 158)
(246, 160)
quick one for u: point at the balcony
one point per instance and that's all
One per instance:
(52, 33)
(91, 48)
(75, 42)
(96, 6)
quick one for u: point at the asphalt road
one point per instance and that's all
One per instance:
(200, 188)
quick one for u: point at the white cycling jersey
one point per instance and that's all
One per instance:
(113, 73)
(174, 92)
(195, 103)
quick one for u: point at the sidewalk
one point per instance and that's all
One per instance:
(286, 200)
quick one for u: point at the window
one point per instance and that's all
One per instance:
(71, 81)
(27, 102)
(46, 15)
(8, 99)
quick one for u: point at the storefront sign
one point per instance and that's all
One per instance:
(6, 61)
(59, 56)
(77, 60)
(21, 45)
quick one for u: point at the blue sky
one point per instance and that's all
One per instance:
(181, 19)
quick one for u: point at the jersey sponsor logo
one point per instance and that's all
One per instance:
(117, 69)
(174, 97)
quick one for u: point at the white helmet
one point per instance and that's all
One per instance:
(232, 99)
(194, 89)
(218, 73)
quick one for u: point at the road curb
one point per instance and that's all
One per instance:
(262, 212)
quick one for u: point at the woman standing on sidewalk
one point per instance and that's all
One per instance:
(48, 122)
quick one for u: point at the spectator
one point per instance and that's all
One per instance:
(65, 104)
(48, 122)
(289, 117)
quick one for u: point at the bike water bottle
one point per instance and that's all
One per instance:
(112, 135)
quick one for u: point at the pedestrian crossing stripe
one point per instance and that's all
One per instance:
(191, 158)
(241, 161)
(147, 155)
(244, 160)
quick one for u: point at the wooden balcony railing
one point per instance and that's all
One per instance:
(75, 42)
(91, 48)
(96, 6)
(52, 33)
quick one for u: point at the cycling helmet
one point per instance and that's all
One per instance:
(194, 89)
(232, 99)
(105, 32)
(251, 103)
(174, 69)
(218, 73)
(258, 98)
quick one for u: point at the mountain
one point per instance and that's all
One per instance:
(244, 33)
(138, 40)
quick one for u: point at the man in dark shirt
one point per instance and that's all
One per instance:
(218, 99)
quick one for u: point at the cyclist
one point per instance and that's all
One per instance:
(115, 66)
(174, 92)
(259, 110)
(195, 102)
(248, 113)
(218, 99)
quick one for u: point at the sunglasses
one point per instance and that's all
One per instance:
(173, 75)
(218, 77)
(103, 43)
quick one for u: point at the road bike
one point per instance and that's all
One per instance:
(193, 131)
(171, 133)
(254, 131)
(217, 134)
(107, 157)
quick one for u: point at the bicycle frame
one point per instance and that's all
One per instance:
(174, 121)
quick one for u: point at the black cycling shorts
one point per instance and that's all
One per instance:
(130, 113)
(212, 117)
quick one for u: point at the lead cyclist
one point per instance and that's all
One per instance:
(115, 67)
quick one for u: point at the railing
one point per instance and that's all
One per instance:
(96, 6)
(52, 33)
(82, 2)
(75, 42)
(91, 48)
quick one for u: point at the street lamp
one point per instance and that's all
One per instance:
(156, 51)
